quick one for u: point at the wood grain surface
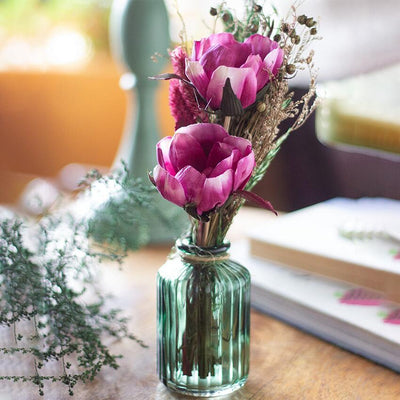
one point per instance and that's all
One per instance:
(286, 363)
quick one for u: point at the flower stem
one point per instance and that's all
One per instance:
(207, 233)
(200, 233)
(227, 123)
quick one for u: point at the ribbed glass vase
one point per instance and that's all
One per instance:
(203, 321)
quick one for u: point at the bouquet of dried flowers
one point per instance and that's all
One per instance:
(228, 98)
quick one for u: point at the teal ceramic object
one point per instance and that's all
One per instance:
(138, 30)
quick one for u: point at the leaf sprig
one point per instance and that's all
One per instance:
(50, 300)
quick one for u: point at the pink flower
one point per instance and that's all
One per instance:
(201, 166)
(249, 65)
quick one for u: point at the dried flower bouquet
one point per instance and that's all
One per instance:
(238, 79)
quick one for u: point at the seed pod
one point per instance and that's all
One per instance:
(285, 28)
(313, 31)
(226, 17)
(302, 19)
(261, 107)
(290, 69)
(310, 22)
(213, 11)
(296, 39)
(253, 28)
(257, 8)
(277, 37)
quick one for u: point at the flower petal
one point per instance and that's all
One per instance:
(242, 144)
(169, 187)
(192, 182)
(259, 44)
(256, 63)
(225, 164)
(243, 82)
(219, 152)
(220, 55)
(224, 38)
(186, 150)
(249, 92)
(243, 171)
(195, 72)
(274, 60)
(215, 191)
(206, 134)
(163, 158)
(201, 46)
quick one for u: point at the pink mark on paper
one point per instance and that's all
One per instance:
(393, 317)
(395, 253)
(362, 297)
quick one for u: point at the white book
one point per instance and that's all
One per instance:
(353, 318)
(310, 239)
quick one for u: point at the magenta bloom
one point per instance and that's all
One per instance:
(249, 65)
(201, 166)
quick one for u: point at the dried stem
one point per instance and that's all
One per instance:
(227, 123)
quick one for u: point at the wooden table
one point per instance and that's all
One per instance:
(286, 363)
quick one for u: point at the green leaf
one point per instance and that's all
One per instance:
(286, 103)
(261, 169)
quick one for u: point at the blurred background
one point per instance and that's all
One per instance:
(62, 110)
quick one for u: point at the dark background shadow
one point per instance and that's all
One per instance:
(306, 172)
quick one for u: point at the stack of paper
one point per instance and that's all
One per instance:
(313, 239)
(308, 291)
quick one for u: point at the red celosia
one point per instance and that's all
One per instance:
(185, 107)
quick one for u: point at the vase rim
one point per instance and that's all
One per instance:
(186, 246)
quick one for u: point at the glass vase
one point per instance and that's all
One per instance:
(203, 321)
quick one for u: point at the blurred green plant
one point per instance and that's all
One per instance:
(51, 299)
(37, 17)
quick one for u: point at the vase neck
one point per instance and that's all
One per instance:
(191, 252)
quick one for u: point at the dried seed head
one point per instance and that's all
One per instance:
(310, 22)
(285, 28)
(313, 31)
(296, 39)
(253, 28)
(302, 19)
(257, 8)
(277, 37)
(226, 17)
(261, 107)
(290, 69)
(213, 11)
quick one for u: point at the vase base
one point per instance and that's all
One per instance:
(206, 392)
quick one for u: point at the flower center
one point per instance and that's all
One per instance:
(207, 171)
